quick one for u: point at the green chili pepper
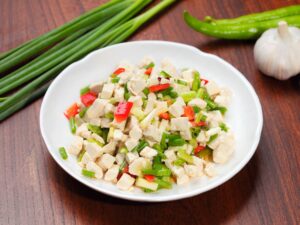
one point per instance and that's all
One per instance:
(159, 172)
(238, 31)
(104, 134)
(163, 141)
(82, 112)
(201, 93)
(195, 131)
(88, 173)
(123, 150)
(205, 154)
(196, 81)
(115, 80)
(173, 94)
(84, 90)
(166, 91)
(193, 142)
(73, 125)
(257, 17)
(63, 153)
(122, 166)
(126, 92)
(176, 142)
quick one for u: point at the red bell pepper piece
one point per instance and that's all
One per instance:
(158, 87)
(198, 124)
(149, 178)
(118, 71)
(165, 116)
(189, 112)
(122, 111)
(71, 111)
(88, 98)
(205, 81)
(149, 71)
(199, 148)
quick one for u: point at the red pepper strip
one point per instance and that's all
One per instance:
(71, 111)
(149, 71)
(198, 124)
(205, 81)
(149, 178)
(189, 112)
(88, 98)
(165, 116)
(118, 71)
(158, 87)
(124, 170)
(199, 148)
(122, 111)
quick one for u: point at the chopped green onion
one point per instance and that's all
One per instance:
(203, 118)
(109, 115)
(181, 82)
(73, 125)
(92, 140)
(159, 172)
(158, 148)
(198, 117)
(222, 109)
(88, 173)
(80, 155)
(173, 94)
(146, 91)
(182, 154)
(163, 142)
(165, 74)
(123, 150)
(84, 90)
(82, 112)
(115, 80)
(163, 183)
(141, 145)
(63, 153)
(195, 131)
(201, 93)
(104, 134)
(210, 105)
(146, 190)
(179, 162)
(193, 142)
(138, 113)
(94, 129)
(166, 91)
(205, 154)
(176, 142)
(188, 96)
(196, 81)
(150, 65)
(212, 138)
(223, 127)
(196, 109)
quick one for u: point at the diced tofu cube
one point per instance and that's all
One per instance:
(192, 171)
(212, 88)
(106, 161)
(131, 143)
(98, 138)
(105, 123)
(184, 179)
(180, 124)
(213, 131)
(222, 100)
(201, 137)
(95, 121)
(224, 150)
(120, 157)
(153, 133)
(125, 182)
(148, 152)
(137, 101)
(93, 149)
(147, 120)
(118, 125)
(198, 102)
(85, 159)
(96, 109)
(198, 162)
(186, 134)
(112, 173)
(91, 166)
(119, 94)
(170, 154)
(176, 109)
(150, 103)
(131, 156)
(76, 145)
(110, 147)
(179, 88)
(136, 85)
(210, 170)
(107, 91)
(164, 125)
(161, 106)
(96, 87)
(109, 108)
(83, 131)
(118, 135)
(188, 75)
(178, 171)
(136, 167)
(136, 133)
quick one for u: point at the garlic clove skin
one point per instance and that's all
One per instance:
(277, 52)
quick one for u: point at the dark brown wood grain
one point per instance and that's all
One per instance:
(35, 191)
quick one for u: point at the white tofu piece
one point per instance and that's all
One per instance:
(224, 150)
(179, 88)
(145, 61)
(161, 106)
(76, 145)
(96, 110)
(178, 171)
(164, 81)
(131, 143)
(188, 75)
(192, 170)
(170, 154)
(112, 173)
(120, 157)
(198, 102)
(110, 147)
(83, 131)
(136, 133)
(125, 182)
(164, 125)
(147, 120)
(131, 156)
(93, 150)
(118, 135)
(180, 124)
(153, 133)
(107, 91)
(98, 138)
(119, 94)
(91, 166)
(136, 167)
(109, 108)
(213, 131)
(150, 103)
(136, 85)
(95, 121)
(86, 158)
(212, 88)
(78, 120)
(153, 80)
(176, 109)
(198, 162)
(106, 161)
(184, 179)
(201, 137)
(222, 100)
(96, 87)
(188, 148)
(132, 122)
(117, 125)
(215, 143)
(186, 134)
(105, 123)
(148, 152)
(137, 100)
(210, 170)
(168, 163)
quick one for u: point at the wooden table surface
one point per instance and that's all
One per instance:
(34, 190)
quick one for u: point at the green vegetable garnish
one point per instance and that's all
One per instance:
(82, 112)
(223, 127)
(84, 90)
(72, 125)
(94, 129)
(184, 156)
(150, 65)
(188, 96)
(115, 80)
(88, 173)
(109, 115)
(165, 74)
(63, 153)
(212, 138)
(141, 145)
(196, 81)
(80, 155)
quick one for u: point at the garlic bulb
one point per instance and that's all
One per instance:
(277, 52)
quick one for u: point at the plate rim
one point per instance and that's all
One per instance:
(150, 198)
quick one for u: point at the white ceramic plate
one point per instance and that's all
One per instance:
(244, 115)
